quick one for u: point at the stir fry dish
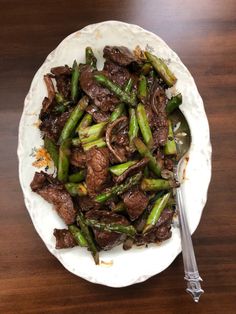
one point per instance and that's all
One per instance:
(111, 139)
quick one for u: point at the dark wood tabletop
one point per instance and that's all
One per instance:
(203, 33)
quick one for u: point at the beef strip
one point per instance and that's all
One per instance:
(135, 202)
(101, 96)
(120, 55)
(86, 203)
(157, 103)
(61, 70)
(54, 192)
(168, 163)
(132, 170)
(166, 217)
(120, 152)
(121, 137)
(161, 133)
(63, 83)
(116, 73)
(97, 169)
(48, 101)
(98, 115)
(161, 231)
(78, 157)
(105, 239)
(52, 124)
(62, 75)
(64, 239)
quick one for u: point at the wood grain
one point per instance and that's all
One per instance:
(203, 33)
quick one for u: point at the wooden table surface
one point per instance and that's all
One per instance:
(203, 33)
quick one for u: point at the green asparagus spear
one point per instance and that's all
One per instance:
(156, 212)
(63, 162)
(146, 68)
(75, 82)
(146, 172)
(77, 177)
(144, 125)
(118, 189)
(112, 227)
(162, 69)
(129, 85)
(61, 103)
(92, 133)
(133, 127)
(74, 118)
(52, 149)
(88, 236)
(90, 58)
(76, 189)
(144, 152)
(85, 122)
(156, 184)
(116, 89)
(142, 88)
(170, 146)
(173, 103)
(120, 168)
(59, 98)
(98, 143)
(120, 108)
(59, 108)
(78, 235)
(76, 141)
(117, 112)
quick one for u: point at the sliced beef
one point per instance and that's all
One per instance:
(116, 73)
(48, 101)
(63, 83)
(105, 239)
(50, 86)
(158, 99)
(97, 169)
(161, 133)
(119, 126)
(61, 70)
(161, 232)
(64, 239)
(54, 192)
(166, 217)
(168, 163)
(119, 151)
(157, 103)
(62, 75)
(86, 203)
(52, 124)
(132, 170)
(98, 115)
(121, 138)
(135, 202)
(40, 179)
(78, 157)
(101, 96)
(120, 55)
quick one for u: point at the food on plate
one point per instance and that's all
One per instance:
(111, 139)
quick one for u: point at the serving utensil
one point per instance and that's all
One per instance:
(183, 142)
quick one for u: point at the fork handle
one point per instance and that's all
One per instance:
(190, 266)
